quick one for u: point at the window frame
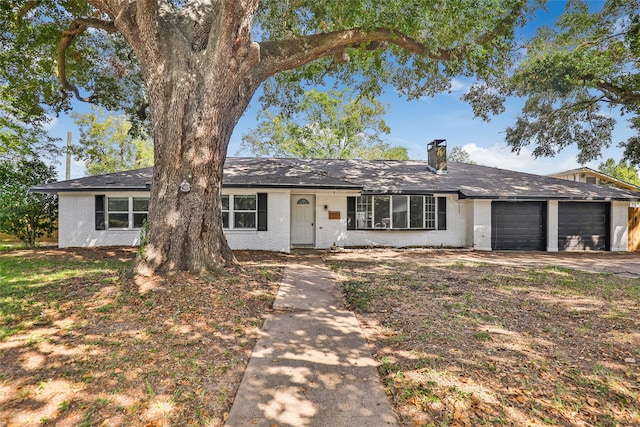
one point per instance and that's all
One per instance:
(130, 212)
(366, 217)
(232, 210)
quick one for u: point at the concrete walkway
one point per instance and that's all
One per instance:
(312, 366)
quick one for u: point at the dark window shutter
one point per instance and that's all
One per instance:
(99, 208)
(262, 211)
(351, 213)
(442, 213)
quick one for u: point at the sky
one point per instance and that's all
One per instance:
(416, 123)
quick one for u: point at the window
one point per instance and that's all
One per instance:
(430, 212)
(364, 210)
(381, 212)
(244, 211)
(225, 211)
(416, 219)
(127, 212)
(398, 212)
(140, 211)
(240, 211)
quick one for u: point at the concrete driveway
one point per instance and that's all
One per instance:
(620, 263)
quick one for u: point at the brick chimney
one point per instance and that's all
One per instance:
(437, 156)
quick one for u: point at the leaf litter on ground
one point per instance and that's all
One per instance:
(93, 348)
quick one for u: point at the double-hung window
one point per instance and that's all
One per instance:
(239, 211)
(398, 212)
(126, 212)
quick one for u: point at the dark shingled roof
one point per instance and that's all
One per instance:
(370, 177)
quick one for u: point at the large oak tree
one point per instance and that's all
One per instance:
(200, 62)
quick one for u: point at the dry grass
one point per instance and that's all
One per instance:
(469, 344)
(82, 346)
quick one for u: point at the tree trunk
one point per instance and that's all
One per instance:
(195, 108)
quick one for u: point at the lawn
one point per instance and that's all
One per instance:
(82, 345)
(471, 344)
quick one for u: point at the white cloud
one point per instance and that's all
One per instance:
(458, 85)
(502, 157)
(52, 121)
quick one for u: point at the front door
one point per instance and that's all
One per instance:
(302, 219)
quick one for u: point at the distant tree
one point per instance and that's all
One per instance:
(23, 214)
(459, 154)
(107, 145)
(623, 171)
(324, 125)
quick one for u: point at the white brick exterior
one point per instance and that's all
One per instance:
(468, 224)
(277, 236)
(331, 232)
(76, 222)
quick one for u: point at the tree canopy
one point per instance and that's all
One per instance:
(411, 45)
(575, 76)
(19, 139)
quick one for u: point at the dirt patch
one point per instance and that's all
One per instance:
(466, 343)
(103, 350)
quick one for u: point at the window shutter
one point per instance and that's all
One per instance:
(442, 213)
(99, 210)
(351, 213)
(262, 211)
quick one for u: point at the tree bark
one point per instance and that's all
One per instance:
(196, 98)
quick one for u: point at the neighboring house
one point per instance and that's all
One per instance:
(590, 176)
(280, 204)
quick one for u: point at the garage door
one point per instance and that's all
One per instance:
(518, 226)
(583, 226)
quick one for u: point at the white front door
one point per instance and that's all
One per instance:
(302, 219)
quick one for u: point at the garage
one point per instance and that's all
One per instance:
(518, 226)
(583, 226)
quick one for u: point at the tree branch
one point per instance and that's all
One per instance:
(622, 95)
(26, 8)
(287, 54)
(78, 26)
(103, 6)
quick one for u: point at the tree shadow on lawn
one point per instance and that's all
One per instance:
(472, 344)
(82, 346)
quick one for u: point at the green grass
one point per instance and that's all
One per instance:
(566, 281)
(32, 282)
(4, 246)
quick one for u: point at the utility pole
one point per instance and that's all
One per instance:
(68, 176)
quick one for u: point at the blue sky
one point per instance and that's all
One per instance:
(416, 123)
